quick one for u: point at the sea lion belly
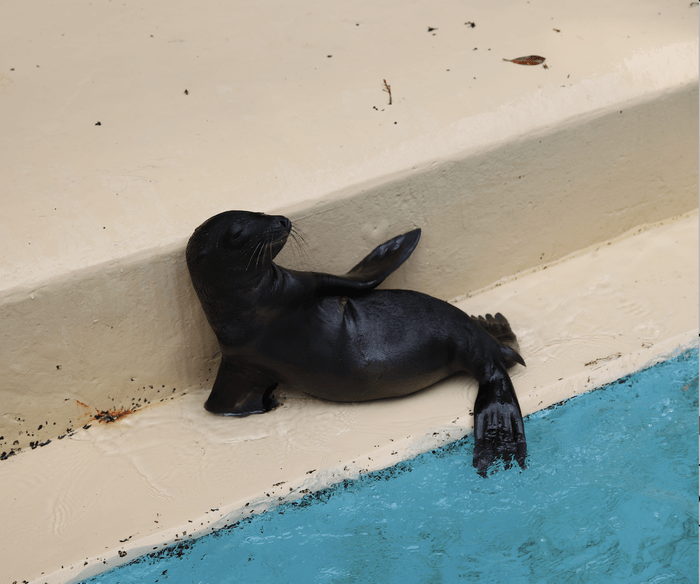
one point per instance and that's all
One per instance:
(364, 348)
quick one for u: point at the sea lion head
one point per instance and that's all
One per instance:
(235, 243)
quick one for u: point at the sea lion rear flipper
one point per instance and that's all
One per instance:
(499, 431)
(374, 268)
(240, 390)
(499, 328)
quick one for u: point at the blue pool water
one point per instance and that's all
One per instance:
(609, 496)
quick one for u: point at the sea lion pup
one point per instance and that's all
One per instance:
(339, 339)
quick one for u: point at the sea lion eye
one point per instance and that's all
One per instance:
(234, 235)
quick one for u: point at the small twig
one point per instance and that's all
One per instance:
(529, 60)
(387, 88)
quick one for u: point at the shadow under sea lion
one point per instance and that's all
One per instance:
(339, 339)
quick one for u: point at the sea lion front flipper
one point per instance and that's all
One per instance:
(374, 268)
(499, 431)
(241, 390)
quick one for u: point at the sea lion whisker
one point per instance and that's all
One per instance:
(264, 250)
(298, 248)
(298, 233)
(258, 253)
(250, 259)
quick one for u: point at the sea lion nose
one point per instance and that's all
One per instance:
(285, 223)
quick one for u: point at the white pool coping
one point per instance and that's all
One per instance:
(103, 496)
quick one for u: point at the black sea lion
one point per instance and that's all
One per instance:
(336, 338)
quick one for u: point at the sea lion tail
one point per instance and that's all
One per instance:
(499, 328)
